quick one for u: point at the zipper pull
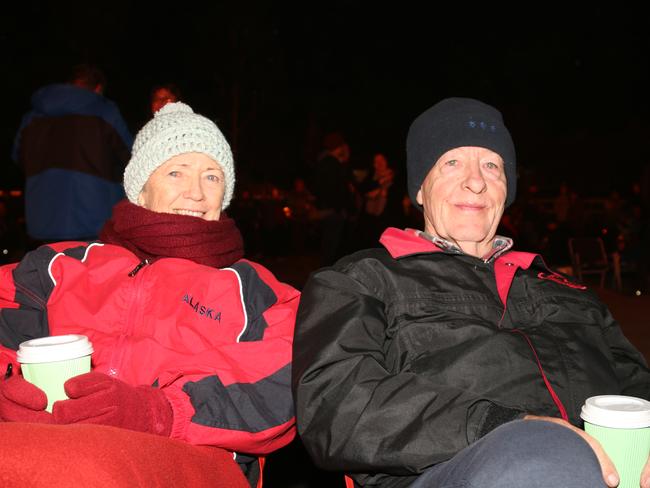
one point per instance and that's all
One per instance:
(140, 265)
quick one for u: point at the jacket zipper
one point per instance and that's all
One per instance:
(140, 265)
(118, 355)
(547, 383)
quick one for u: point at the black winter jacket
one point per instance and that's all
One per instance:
(404, 356)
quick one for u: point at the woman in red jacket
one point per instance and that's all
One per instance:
(191, 342)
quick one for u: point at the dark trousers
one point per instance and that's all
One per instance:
(523, 453)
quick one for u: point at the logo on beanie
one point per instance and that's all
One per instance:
(472, 124)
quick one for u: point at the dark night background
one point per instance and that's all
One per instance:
(572, 82)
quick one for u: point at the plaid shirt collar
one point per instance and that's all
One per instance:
(499, 245)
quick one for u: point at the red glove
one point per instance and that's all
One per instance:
(96, 398)
(20, 401)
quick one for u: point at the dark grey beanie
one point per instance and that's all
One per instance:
(452, 123)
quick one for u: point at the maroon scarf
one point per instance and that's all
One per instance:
(152, 235)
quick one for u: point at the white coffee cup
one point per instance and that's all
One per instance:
(622, 426)
(49, 362)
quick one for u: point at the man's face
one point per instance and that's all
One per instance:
(464, 197)
(188, 184)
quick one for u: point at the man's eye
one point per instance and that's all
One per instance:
(491, 165)
(451, 162)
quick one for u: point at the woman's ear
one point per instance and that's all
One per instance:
(141, 199)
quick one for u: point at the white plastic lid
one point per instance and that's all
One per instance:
(617, 411)
(54, 348)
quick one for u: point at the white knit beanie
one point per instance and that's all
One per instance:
(175, 129)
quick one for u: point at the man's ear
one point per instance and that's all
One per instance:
(418, 197)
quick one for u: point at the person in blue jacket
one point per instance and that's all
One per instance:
(72, 146)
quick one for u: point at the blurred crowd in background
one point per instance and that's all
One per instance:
(296, 220)
(340, 198)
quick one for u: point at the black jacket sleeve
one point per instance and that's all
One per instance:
(629, 364)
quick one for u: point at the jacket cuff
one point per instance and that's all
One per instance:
(485, 416)
(181, 409)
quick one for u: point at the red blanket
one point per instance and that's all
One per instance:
(57, 456)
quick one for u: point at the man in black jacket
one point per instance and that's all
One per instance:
(446, 359)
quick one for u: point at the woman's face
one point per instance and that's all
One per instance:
(188, 184)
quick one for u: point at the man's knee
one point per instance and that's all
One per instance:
(534, 453)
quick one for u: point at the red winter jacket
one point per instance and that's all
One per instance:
(216, 341)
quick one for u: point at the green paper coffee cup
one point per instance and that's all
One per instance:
(49, 362)
(622, 426)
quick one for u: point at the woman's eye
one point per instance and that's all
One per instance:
(214, 178)
(174, 173)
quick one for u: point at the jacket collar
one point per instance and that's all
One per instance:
(400, 243)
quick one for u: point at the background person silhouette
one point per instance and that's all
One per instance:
(72, 146)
